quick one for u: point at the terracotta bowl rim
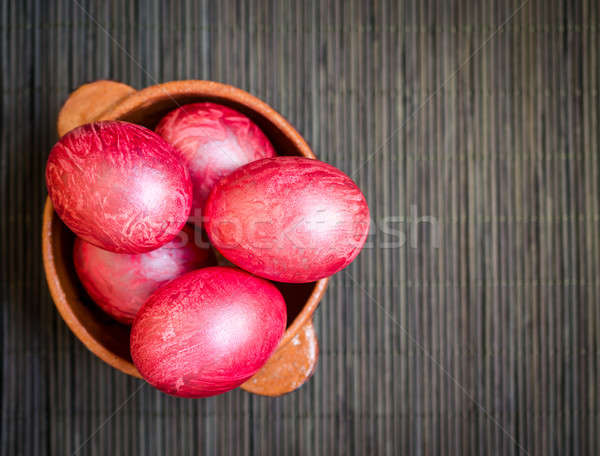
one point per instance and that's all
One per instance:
(196, 88)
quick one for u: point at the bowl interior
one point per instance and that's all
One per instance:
(103, 335)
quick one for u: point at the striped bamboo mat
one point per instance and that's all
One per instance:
(471, 322)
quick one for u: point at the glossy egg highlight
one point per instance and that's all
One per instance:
(120, 283)
(289, 219)
(213, 140)
(119, 186)
(207, 332)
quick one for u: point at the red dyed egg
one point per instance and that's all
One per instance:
(120, 283)
(214, 140)
(207, 331)
(289, 219)
(119, 186)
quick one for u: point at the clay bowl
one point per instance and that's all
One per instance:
(295, 359)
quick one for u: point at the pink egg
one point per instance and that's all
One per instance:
(214, 140)
(207, 331)
(120, 283)
(119, 186)
(289, 219)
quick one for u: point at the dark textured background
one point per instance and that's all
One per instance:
(488, 344)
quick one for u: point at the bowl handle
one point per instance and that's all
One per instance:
(289, 367)
(89, 102)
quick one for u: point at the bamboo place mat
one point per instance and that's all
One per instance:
(474, 331)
